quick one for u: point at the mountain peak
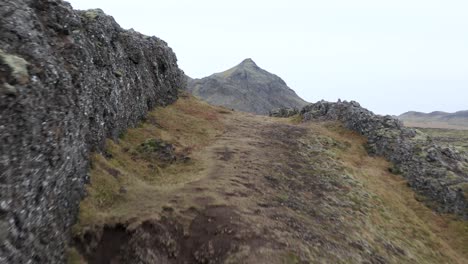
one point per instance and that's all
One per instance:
(246, 87)
(248, 62)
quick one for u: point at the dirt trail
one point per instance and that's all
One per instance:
(231, 193)
(270, 191)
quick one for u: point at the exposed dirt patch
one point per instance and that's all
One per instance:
(113, 238)
(212, 236)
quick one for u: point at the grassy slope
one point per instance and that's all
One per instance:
(398, 212)
(392, 212)
(188, 124)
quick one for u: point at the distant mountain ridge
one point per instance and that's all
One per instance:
(246, 87)
(436, 119)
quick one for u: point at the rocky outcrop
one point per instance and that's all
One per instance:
(246, 87)
(283, 112)
(68, 80)
(440, 174)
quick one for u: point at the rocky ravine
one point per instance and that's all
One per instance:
(438, 173)
(68, 80)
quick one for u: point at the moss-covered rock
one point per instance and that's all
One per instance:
(93, 13)
(160, 152)
(18, 67)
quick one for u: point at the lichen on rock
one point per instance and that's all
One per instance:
(17, 65)
(93, 13)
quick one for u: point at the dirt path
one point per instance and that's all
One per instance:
(232, 193)
(267, 190)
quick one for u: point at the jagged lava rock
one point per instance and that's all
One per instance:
(68, 80)
(438, 173)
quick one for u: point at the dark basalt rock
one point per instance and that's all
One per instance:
(439, 174)
(68, 80)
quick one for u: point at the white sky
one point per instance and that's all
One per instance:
(390, 55)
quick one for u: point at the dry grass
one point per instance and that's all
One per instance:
(429, 235)
(124, 186)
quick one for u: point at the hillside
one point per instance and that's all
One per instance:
(457, 120)
(246, 87)
(106, 159)
(196, 183)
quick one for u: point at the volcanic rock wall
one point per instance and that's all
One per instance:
(68, 80)
(439, 174)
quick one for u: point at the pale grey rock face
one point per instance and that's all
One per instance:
(438, 173)
(246, 88)
(68, 80)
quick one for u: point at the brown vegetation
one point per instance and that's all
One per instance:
(255, 190)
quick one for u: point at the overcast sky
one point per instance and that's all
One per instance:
(391, 56)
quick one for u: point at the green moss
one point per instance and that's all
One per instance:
(464, 189)
(369, 148)
(151, 145)
(74, 257)
(420, 136)
(118, 73)
(282, 198)
(291, 258)
(296, 119)
(452, 176)
(8, 89)
(18, 66)
(395, 170)
(93, 13)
